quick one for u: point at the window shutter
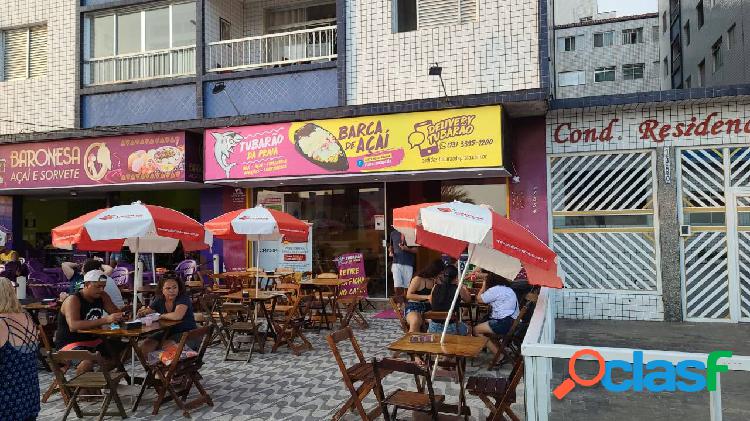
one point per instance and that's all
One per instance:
(432, 13)
(14, 60)
(38, 52)
(468, 10)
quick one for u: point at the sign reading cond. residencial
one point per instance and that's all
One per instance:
(89, 162)
(447, 139)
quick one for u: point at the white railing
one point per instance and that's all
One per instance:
(140, 66)
(314, 44)
(539, 349)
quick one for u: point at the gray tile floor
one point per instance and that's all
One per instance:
(597, 404)
(281, 386)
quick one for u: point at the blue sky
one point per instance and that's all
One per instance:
(628, 7)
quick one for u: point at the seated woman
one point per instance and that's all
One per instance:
(503, 304)
(173, 303)
(419, 292)
(442, 297)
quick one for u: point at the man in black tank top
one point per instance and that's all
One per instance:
(89, 308)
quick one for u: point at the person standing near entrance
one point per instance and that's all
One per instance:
(404, 259)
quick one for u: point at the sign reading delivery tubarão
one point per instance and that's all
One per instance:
(157, 157)
(447, 139)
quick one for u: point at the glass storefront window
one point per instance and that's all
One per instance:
(492, 192)
(343, 221)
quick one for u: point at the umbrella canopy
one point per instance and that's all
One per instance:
(259, 224)
(495, 243)
(141, 228)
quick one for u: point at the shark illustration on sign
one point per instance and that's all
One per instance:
(224, 147)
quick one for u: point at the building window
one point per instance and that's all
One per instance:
(688, 82)
(225, 30)
(604, 39)
(406, 15)
(577, 77)
(731, 40)
(717, 56)
(655, 34)
(569, 43)
(632, 36)
(410, 15)
(127, 44)
(701, 17)
(686, 30)
(702, 73)
(664, 22)
(604, 74)
(24, 53)
(666, 67)
(633, 71)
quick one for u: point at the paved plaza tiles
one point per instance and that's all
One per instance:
(281, 386)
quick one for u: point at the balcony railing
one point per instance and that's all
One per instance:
(316, 44)
(140, 66)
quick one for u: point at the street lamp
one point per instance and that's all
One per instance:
(220, 87)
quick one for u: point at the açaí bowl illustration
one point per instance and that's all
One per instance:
(320, 147)
(164, 159)
(167, 158)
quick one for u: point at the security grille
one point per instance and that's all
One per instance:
(603, 231)
(706, 276)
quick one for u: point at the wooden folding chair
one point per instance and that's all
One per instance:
(237, 318)
(507, 346)
(501, 389)
(54, 386)
(429, 403)
(211, 317)
(361, 371)
(100, 380)
(398, 304)
(166, 378)
(289, 329)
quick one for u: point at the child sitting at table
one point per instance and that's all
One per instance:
(442, 297)
(173, 303)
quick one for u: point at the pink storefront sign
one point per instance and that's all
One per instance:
(158, 157)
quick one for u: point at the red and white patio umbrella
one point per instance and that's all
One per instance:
(141, 228)
(259, 224)
(494, 242)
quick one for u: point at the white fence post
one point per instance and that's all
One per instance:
(715, 400)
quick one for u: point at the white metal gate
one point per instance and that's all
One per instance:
(714, 186)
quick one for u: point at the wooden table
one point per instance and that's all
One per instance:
(132, 335)
(319, 284)
(459, 347)
(260, 299)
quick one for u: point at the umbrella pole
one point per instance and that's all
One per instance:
(453, 304)
(257, 279)
(153, 266)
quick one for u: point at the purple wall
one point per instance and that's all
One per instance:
(528, 198)
(215, 202)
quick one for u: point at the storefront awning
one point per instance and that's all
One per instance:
(122, 162)
(454, 143)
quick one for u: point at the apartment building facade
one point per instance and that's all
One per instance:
(37, 66)
(607, 57)
(705, 42)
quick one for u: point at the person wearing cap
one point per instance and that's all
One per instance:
(101, 269)
(89, 308)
